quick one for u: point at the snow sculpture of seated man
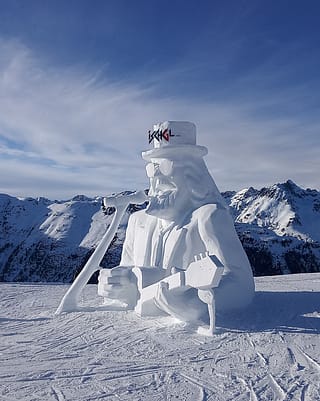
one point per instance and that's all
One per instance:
(186, 216)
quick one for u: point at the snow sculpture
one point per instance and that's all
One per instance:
(181, 256)
(186, 218)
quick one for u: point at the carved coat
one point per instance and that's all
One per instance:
(208, 228)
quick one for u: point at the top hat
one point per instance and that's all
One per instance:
(173, 139)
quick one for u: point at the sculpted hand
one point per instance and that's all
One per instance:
(119, 284)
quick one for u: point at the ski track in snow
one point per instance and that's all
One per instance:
(269, 352)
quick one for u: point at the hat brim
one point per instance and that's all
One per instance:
(174, 152)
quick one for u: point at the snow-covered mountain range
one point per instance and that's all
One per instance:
(279, 227)
(49, 241)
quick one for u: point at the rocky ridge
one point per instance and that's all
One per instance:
(50, 241)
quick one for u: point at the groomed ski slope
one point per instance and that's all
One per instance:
(269, 352)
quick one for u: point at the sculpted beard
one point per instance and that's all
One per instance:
(162, 197)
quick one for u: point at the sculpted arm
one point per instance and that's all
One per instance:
(119, 283)
(216, 229)
(218, 233)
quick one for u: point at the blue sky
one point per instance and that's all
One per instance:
(81, 82)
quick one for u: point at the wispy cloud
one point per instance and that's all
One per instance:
(67, 130)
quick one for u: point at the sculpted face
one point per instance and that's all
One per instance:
(169, 193)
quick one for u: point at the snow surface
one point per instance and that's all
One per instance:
(271, 351)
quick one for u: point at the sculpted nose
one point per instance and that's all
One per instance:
(153, 170)
(157, 172)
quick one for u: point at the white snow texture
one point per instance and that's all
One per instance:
(268, 352)
(186, 219)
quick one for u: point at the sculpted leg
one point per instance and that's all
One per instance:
(207, 296)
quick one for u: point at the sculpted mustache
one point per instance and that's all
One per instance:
(162, 200)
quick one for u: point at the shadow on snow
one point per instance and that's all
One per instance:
(293, 312)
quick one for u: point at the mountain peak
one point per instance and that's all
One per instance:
(80, 198)
(292, 187)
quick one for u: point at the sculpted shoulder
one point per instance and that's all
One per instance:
(140, 218)
(140, 215)
(208, 212)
